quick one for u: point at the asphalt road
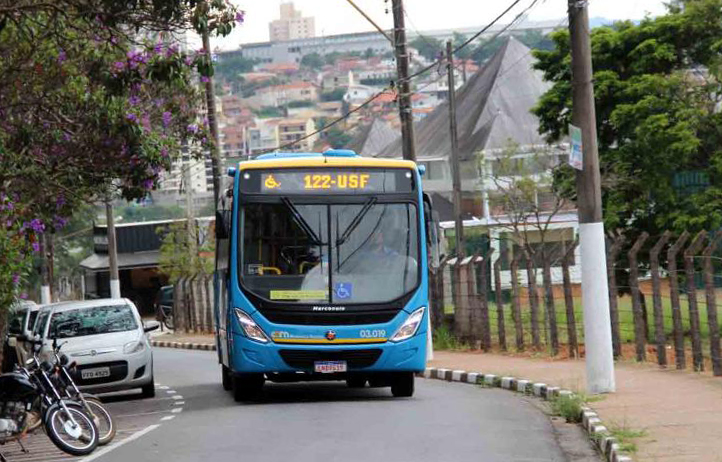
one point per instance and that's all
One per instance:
(327, 421)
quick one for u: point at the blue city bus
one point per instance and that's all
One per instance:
(322, 272)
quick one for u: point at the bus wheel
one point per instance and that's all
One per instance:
(247, 387)
(402, 386)
(226, 378)
(356, 382)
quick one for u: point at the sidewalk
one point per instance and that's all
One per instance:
(680, 411)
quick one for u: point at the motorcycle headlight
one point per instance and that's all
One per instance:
(252, 330)
(410, 326)
(133, 347)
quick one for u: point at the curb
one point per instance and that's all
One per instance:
(590, 421)
(183, 345)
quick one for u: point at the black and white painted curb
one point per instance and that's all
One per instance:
(599, 434)
(183, 345)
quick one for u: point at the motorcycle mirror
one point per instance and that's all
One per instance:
(150, 326)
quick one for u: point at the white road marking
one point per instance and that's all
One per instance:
(177, 397)
(168, 417)
(171, 392)
(132, 437)
(180, 403)
(164, 387)
(176, 410)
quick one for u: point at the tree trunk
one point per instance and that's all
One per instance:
(533, 302)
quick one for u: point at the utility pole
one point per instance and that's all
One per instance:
(455, 170)
(45, 296)
(112, 252)
(597, 325)
(402, 84)
(212, 123)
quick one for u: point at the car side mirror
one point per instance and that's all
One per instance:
(150, 326)
(221, 225)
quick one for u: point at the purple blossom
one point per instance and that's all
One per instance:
(166, 119)
(60, 222)
(205, 79)
(37, 225)
(193, 128)
(36, 247)
(24, 295)
(158, 48)
(16, 279)
(164, 152)
(132, 117)
(114, 40)
(148, 184)
(134, 100)
(9, 224)
(170, 51)
(119, 65)
(240, 16)
(62, 56)
(146, 122)
(9, 206)
(60, 201)
(67, 137)
(188, 60)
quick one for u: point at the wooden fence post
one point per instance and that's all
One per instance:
(612, 254)
(484, 299)
(689, 254)
(516, 304)
(499, 304)
(714, 336)
(461, 305)
(473, 300)
(679, 358)
(659, 335)
(640, 339)
(439, 293)
(549, 304)
(569, 302)
(533, 296)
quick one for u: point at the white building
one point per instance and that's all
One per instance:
(291, 26)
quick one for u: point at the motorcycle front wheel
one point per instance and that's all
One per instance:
(102, 420)
(78, 438)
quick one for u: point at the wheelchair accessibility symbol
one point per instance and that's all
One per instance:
(343, 290)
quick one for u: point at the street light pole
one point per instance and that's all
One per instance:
(597, 324)
(112, 252)
(456, 173)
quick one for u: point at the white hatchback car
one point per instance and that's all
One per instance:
(107, 340)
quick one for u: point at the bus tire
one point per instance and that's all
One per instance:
(226, 378)
(247, 387)
(402, 386)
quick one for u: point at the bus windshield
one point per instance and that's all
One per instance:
(329, 253)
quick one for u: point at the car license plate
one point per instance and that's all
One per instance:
(327, 367)
(97, 373)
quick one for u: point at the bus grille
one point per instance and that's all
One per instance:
(329, 319)
(355, 359)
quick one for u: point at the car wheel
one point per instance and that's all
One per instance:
(402, 385)
(247, 387)
(226, 378)
(149, 389)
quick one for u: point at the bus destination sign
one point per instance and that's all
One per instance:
(327, 181)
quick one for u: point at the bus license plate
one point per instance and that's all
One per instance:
(96, 373)
(327, 367)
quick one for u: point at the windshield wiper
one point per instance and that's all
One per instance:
(301, 222)
(355, 222)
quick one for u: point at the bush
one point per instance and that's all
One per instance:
(444, 339)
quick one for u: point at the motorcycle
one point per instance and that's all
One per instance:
(28, 395)
(91, 404)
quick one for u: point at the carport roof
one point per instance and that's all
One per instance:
(99, 262)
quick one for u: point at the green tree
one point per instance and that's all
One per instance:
(337, 137)
(428, 47)
(230, 66)
(334, 95)
(312, 61)
(657, 87)
(458, 40)
(184, 254)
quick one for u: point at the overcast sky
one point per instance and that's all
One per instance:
(338, 17)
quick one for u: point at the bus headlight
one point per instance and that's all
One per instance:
(410, 326)
(250, 328)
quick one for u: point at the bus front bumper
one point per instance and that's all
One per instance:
(249, 356)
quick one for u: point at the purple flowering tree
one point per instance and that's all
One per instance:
(89, 103)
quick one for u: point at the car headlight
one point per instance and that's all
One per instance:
(133, 347)
(410, 326)
(250, 328)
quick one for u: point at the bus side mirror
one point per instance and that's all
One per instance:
(432, 229)
(221, 225)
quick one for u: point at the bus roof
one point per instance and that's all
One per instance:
(331, 158)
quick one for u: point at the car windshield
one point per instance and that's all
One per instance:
(92, 321)
(346, 253)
